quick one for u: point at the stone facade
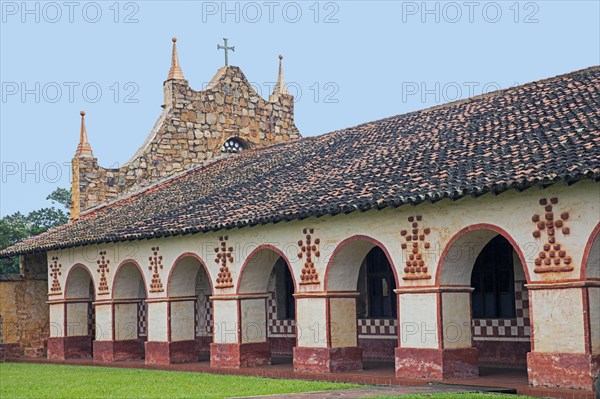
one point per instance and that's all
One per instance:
(192, 129)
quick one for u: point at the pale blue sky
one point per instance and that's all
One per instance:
(353, 61)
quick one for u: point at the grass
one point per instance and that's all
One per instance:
(41, 381)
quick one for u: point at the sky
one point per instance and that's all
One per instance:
(346, 62)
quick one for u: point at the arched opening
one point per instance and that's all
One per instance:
(362, 265)
(591, 273)
(267, 272)
(129, 310)
(189, 309)
(485, 270)
(80, 323)
(234, 145)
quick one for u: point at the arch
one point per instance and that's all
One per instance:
(256, 270)
(77, 284)
(124, 285)
(182, 276)
(234, 145)
(455, 269)
(344, 265)
(591, 256)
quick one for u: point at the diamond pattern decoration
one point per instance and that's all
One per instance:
(224, 256)
(553, 257)
(155, 266)
(416, 267)
(55, 267)
(309, 250)
(103, 269)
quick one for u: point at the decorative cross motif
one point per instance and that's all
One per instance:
(155, 265)
(416, 268)
(553, 258)
(224, 47)
(224, 279)
(103, 265)
(55, 267)
(308, 249)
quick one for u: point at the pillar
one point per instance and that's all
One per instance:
(240, 331)
(117, 331)
(327, 336)
(435, 339)
(566, 334)
(172, 331)
(69, 330)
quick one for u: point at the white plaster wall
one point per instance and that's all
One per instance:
(103, 322)
(456, 316)
(342, 318)
(225, 316)
(558, 320)
(182, 321)
(418, 321)
(57, 320)
(77, 319)
(510, 211)
(594, 299)
(157, 321)
(126, 325)
(254, 320)
(311, 322)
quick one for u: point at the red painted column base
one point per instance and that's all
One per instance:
(111, 351)
(62, 348)
(327, 360)
(563, 370)
(436, 364)
(240, 355)
(172, 352)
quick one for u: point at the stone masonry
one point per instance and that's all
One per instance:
(191, 130)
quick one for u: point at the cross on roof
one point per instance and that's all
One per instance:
(224, 47)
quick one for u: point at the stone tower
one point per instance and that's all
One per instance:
(228, 116)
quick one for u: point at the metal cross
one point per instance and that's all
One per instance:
(224, 47)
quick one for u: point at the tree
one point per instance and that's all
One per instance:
(17, 227)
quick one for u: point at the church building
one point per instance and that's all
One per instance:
(438, 241)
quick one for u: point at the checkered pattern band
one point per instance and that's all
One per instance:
(377, 326)
(278, 327)
(141, 313)
(203, 317)
(518, 327)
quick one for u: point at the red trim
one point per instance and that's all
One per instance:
(440, 318)
(328, 322)
(169, 321)
(587, 250)
(79, 266)
(359, 237)
(531, 323)
(199, 259)
(475, 227)
(65, 323)
(586, 320)
(123, 263)
(251, 255)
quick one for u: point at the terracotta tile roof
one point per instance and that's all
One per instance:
(534, 134)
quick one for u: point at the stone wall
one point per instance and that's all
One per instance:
(191, 130)
(25, 319)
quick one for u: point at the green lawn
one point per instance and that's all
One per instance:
(18, 380)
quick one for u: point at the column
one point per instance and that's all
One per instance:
(240, 331)
(434, 328)
(69, 329)
(566, 334)
(327, 336)
(172, 331)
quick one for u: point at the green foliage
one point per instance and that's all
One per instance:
(40, 381)
(17, 227)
